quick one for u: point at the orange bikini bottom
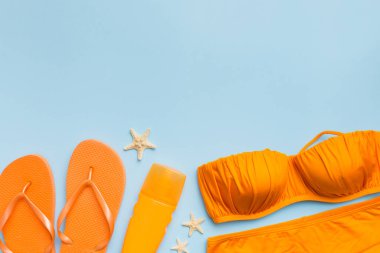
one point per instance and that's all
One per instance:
(350, 229)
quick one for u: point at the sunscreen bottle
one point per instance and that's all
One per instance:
(152, 213)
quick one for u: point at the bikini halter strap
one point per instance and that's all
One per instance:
(319, 136)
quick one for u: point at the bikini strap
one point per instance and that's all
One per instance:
(39, 214)
(319, 136)
(103, 204)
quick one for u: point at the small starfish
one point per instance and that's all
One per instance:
(180, 247)
(140, 143)
(194, 225)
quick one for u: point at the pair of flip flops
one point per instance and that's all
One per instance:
(94, 189)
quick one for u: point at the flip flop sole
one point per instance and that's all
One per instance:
(24, 233)
(86, 225)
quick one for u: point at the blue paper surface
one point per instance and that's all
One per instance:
(210, 78)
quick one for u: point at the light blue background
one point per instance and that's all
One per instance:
(210, 78)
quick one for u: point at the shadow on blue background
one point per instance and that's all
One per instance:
(210, 78)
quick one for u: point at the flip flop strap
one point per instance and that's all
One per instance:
(39, 214)
(103, 204)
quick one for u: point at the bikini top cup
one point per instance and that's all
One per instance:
(251, 185)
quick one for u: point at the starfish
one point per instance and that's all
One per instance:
(140, 143)
(180, 247)
(194, 225)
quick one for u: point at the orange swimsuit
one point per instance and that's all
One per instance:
(254, 184)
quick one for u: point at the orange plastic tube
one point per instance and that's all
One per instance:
(152, 213)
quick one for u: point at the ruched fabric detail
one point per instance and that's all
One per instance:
(253, 184)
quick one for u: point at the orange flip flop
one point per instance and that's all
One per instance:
(94, 190)
(27, 205)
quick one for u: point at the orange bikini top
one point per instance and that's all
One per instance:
(251, 185)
